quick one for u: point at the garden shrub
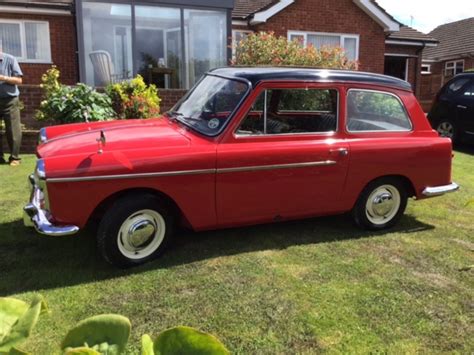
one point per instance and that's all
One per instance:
(67, 104)
(264, 48)
(134, 99)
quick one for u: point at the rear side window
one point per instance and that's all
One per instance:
(369, 111)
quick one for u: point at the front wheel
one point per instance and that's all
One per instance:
(134, 230)
(381, 204)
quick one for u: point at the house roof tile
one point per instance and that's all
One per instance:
(245, 8)
(407, 33)
(455, 39)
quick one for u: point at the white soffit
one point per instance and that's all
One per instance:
(378, 15)
(33, 10)
(263, 16)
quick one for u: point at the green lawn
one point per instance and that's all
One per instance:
(318, 285)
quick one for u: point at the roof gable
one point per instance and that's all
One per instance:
(455, 39)
(259, 11)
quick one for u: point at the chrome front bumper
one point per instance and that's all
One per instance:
(440, 190)
(34, 216)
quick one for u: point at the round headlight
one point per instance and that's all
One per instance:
(40, 169)
(42, 137)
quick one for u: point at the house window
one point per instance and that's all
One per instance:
(454, 67)
(28, 41)
(237, 37)
(349, 42)
(426, 69)
(169, 46)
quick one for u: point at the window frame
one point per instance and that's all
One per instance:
(22, 58)
(378, 131)
(342, 37)
(265, 88)
(428, 71)
(234, 32)
(451, 65)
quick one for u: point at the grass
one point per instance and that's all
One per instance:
(312, 286)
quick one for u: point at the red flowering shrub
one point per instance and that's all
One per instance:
(264, 48)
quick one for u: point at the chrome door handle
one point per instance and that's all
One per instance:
(463, 107)
(342, 151)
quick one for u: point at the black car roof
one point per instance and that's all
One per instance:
(257, 74)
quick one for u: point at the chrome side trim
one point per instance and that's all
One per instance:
(133, 176)
(193, 172)
(440, 190)
(276, 166)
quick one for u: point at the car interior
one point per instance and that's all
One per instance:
(292, 111)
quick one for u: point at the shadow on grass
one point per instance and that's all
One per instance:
(30, 262)
(464, 148)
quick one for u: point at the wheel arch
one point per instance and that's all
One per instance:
(106, 203)
(407, 183)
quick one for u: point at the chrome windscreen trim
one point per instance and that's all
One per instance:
(276, 166)
(132, 176)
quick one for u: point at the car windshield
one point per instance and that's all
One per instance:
(209, 106)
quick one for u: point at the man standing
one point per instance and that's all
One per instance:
(10, 78)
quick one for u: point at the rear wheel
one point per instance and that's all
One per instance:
(447, 129)
(381, 204)
(134, 230)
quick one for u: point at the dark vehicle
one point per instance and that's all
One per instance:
(452, 114)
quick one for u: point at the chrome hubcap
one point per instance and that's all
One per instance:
(141, 234)
(445, 129)
(383, 204)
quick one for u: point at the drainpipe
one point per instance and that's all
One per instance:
(417, 72)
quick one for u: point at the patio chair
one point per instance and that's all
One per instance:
(104, 68)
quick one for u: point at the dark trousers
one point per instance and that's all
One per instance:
(10, 114)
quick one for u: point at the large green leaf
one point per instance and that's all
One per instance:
(105, 333)
(147, 345)
(184, 340)
(17, 320)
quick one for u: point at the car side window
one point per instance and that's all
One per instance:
(456, 85)
(292, 111)
(468, 92)
(369, 111)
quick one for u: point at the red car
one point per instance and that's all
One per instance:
(244, 146)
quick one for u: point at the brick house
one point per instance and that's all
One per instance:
(172, 42)
(364, 29)
(453, 55)
(169, 42)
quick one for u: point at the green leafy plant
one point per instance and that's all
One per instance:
(264, 48)
(106, 334)
(67, 104)
(17, 320)
(134, 99)
(182, 340)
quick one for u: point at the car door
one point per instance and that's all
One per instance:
(283, 159)
(465, 108)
